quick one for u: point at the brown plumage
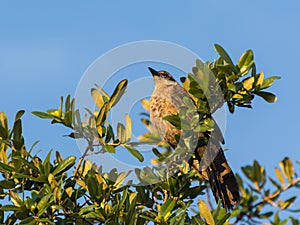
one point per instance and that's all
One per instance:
(166, 100)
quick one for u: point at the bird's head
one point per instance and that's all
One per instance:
(162, 77)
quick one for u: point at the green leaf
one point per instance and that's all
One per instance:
(102, 114)
(43, 221)
(224, 218)
(134, 152)
(205, 212)
(43, 204)
(93, 185)
(19, 114)
(120, 179)
(7, 184)
(17, 130)
(4, 134)
(118, 92)
(287, 203)
(269, 97)
(288, 168)
(64, 165)
(110, 148)
(6, 168)
(221, 51)
(68, 104)
(166, 208)
(43, 115)
(26, 162)
(174, 120)
(68, 119)
(245, 62)
(10, 208)
(268, 82)
(266, 215)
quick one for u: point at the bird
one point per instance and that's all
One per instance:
(167, 98)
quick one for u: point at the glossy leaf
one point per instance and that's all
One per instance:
(166, 208)
(64, 165)
(245, 62)
(135, 153)
(102, 114)
(10, 208)
(43, 115)
(269, 97)
(43, 204)
(221, 51)
(118, 92)
(269, 81)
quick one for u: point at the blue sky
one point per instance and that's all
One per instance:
(45, 48)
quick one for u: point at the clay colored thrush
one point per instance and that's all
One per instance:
(167, 97)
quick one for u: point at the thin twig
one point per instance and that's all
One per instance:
(209, 200)
(80, 161)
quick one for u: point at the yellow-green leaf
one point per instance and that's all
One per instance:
(3, 120)
(260, 79)
(166, 208)
(69, 191)
(205, 212)
(120, 179)
(102, 114)
(121, 133)
(118, 92)
(64, 165)
(43, 204)
(279, 176)
(245, 62)
(128, 128)
(110, 148)
(97, 97)
(269, 81)
(146, 104)
(288, 168)
(248, 83)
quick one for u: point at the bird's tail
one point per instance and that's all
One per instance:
(222, 181)
(219, 174)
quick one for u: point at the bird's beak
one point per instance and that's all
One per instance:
(153, 72)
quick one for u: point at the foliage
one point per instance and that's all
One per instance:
(66, 191)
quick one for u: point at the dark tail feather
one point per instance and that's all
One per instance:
(223, 183)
